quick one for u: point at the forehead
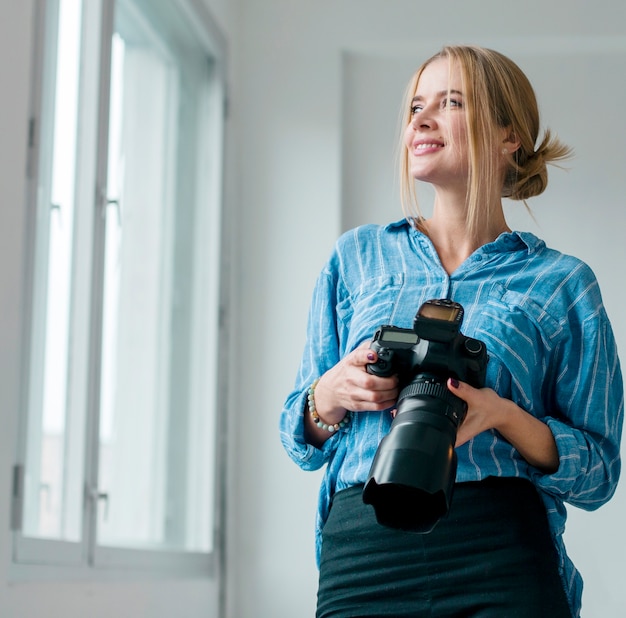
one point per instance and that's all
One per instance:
(440, 75)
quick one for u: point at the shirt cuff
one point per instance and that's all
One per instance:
(571, 461)
(308, 457)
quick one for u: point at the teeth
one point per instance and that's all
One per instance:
(423, 146)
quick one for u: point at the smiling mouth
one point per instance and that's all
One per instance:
(428, 146)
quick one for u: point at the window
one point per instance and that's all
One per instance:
(118, 441)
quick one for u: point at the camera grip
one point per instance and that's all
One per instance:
(382, 367)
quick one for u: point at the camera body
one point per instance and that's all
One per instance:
(412, 476)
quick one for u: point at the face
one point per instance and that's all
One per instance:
(436, 136)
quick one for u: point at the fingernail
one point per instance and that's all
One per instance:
(371, 357)
(454, 383)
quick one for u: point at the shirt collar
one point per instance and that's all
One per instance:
(508, 241)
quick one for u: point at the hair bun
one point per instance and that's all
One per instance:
(529, 176)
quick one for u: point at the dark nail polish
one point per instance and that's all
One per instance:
(371, 357)
(454, 383)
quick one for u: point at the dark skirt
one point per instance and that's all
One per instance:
(491, 556)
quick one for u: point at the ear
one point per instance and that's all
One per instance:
(511, 141)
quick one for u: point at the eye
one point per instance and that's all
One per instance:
(415, 109)
(452, 103)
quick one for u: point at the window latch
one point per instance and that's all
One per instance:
(96, 497)
(17, 497)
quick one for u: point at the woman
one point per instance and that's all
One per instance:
(546, 426)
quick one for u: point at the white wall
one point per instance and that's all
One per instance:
(145, 598)
(300, 184)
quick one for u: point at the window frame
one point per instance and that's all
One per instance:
(85, 558)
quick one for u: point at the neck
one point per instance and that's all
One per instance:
(449, 233)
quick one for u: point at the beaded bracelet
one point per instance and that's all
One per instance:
(316, 417)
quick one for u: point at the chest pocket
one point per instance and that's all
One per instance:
(387, 299)
(369, 307)
(520, 336)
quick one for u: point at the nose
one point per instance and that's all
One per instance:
(424, 119)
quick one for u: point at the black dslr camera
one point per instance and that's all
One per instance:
(412, 476)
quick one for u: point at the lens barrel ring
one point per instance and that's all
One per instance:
(428, 387)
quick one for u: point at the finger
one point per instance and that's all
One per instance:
(362, 354)
(371, 406)
(460, 389)
(376, 389)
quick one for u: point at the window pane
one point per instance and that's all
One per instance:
(53, 483)
(152, 473)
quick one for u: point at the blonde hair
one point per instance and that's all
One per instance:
(497, 94)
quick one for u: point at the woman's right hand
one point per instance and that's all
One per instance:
(348, 386)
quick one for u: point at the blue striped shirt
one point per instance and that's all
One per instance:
(551, 351)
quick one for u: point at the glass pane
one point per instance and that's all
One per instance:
(148, 465)
(53, 485)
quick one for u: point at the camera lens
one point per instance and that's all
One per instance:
(412, 477)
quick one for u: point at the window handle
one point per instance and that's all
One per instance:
(99, 496)
(118, 209)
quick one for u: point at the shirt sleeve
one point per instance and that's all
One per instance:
(590, 394)
(321, 352)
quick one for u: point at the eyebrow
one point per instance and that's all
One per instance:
(441, 93)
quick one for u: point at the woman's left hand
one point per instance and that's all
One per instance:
(484, 406)
(487, 410)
